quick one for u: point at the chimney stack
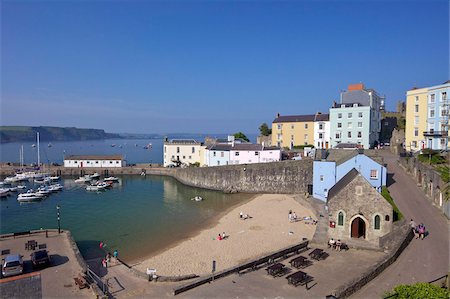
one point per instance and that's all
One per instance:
(278, 115)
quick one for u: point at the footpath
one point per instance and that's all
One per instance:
(423, 260)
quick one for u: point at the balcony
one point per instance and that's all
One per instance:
(435, 133)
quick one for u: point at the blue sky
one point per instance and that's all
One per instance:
(209, 66)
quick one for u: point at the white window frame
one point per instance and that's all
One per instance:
(374, 174)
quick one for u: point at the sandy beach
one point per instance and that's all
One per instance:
(268, 230)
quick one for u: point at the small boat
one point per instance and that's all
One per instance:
(33, 145)
(44, 180)
(44, 191)
(113, 145)
(12, 179)
(197, 198)
(95, 176)
(4, 193)
(29, 196)
(95, 187)
(21, 187)
(13, 189)
(148, 146)
(55, 188)
(55, 178)
(83, 179)
(111, 179)
(49, 145)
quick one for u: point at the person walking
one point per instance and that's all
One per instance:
(421, 230)
(413, 225)
(115, 254)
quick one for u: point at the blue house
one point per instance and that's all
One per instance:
(331, 165)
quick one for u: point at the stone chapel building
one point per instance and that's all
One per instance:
(357, 211)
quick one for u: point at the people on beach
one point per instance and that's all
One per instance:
(241, 215)
(223, 235)
(101, 245)
(290, 215)
(219, 237)
(115, 254)
(294, 217)
(104, 263)
(108, 257)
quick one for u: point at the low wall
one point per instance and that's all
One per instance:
(403, 236)
(428, 180)
(275, 177)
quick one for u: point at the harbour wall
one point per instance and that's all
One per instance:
(290, 177)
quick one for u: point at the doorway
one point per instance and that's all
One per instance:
(358, 228)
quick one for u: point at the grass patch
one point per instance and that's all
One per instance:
(397, 214)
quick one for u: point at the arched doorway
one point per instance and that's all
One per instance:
(358, 228)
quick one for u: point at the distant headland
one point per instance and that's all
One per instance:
(27, 133)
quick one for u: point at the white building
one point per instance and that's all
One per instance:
(322, 131)
(94, 161)
(183, 151)
(240, 153)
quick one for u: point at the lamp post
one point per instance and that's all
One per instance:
(59, 219)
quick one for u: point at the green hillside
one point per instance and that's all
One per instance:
(24, 133)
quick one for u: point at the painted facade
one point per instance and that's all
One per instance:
(293, 130)
(322, 131)
(183, 151)
(357, 118)
(241, 153)
(427, 118)
(328, 171)
(357, 211)
(94, 161)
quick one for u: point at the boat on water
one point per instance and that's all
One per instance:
(84, 179)
(13, 189)
(43, 180)
(4, 193)
(33, 145)
(95, 176)
(21, 187)
(111, 179)
(55, 178)
(148, 146)
(29, 196)
(197, 198)
(113, 145)
(55, 187)
(44, 191)
(49, 145)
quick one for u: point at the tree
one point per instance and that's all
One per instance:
(241, 136)
(264, 129)
(418, 291)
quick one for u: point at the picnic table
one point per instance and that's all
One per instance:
(276, 269)
(300, 262)
(299, 278)
(316, 254)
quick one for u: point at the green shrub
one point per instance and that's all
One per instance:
(421, 290)
(385, 193)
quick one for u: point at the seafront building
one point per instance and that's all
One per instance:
(240, 153)
(183, 152)
(80, 161)
(295, 130)
(357, 118)
(427, 118)
(330, 166)
(322, 131)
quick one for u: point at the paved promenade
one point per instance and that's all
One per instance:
(423, 260)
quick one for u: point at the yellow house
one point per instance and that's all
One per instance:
(416, 118)
(293, 130)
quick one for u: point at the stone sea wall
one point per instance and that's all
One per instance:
(277, 177)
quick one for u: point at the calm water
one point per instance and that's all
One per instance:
(132, 149)
(139, 216)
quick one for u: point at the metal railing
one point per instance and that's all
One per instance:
(100, 283)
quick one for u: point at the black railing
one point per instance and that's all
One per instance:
(435, 133)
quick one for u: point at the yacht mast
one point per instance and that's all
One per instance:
(39, 156)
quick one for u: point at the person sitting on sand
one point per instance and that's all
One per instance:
(338, 245)
(219, 237)
(294, 217)
(331, 243)
(241, 215)
(223, 236)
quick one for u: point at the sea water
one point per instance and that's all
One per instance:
(139, 216)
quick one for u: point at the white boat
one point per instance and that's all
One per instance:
(43, 191)
(83, 179)
(33, 145)
(21, 187)
(111, 179)
(197, 198)
(13, 189)
(55, 178)
(49, 145)
(55, 187)
(29, 196)
(4, 193)
(95, 176)
(12, 179)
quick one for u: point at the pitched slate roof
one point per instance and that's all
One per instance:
(94, 157)
(322, 117)
(346, 179)
(239, 147)
(294, 118)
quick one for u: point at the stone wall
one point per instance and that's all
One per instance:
(428, 180)
(276, 177)
(399, 242)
